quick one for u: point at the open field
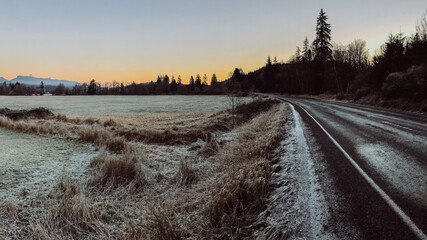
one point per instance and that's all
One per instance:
(138, 175)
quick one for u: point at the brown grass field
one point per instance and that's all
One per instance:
(156, 176)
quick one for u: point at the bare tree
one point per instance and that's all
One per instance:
(358, 55)
(340, 52)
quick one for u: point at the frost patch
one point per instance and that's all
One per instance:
(404, 173)
(31, 164)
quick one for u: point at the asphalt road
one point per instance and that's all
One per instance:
(390, 147)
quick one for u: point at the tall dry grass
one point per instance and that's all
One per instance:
(117, 170)
(224, 204)
(102, 137)
(71, 215)
(236, 200)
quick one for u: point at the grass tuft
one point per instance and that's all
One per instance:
(120, 169)
(186, 174)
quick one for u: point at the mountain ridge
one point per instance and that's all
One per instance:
(36, 81)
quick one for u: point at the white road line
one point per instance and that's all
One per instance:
(406, 219)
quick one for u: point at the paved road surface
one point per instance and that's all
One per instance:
(389, 146)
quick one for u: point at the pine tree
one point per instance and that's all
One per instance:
(173, 85)
(268, 76)
(322, 42)
(214, 80)
(306, 50)
(268, 64)
(192, 85)
(198, 82)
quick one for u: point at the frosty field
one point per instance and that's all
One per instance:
(150, 167)
(101, 105)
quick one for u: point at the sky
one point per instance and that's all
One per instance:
(126, 40)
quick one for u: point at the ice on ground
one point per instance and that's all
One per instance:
(31, 164)
(297, 206)
(404, 173)
(101, 105)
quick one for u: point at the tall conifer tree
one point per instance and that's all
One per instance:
(322, 43)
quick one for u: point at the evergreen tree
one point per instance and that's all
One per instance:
(268, 76)
(214, 80)
(41, 88)
(165, 84)
(179, 80)
(192, 85)
(122, 89)
(173, 85)
(297, 56)
(268, 64)
(306, 51)
(322, 43)
(198, 82)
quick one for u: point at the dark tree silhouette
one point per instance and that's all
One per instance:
(306, 51)
(92, 87)
(59, 90)
(268, 76)
(322, 43)
(173, 85)
(198, 82)
(122, 89)
(214, 80)
(192, 84)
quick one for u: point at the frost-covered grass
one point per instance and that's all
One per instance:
(197, 176)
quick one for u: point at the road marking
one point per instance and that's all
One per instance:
(406, 219)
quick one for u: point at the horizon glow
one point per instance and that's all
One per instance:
(135, 41)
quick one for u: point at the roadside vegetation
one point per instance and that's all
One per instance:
(206, 183)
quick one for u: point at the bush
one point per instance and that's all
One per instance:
(362, 92)
(409, 84)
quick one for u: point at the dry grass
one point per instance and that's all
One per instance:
(109, 123)
(240, 196)
(119, 170)
(211, 146)
(71, 215)
(10, 208)
(163, 224)
(186, 174)
(211, 193)
(101, 137)
(37, 127)
(228, 199)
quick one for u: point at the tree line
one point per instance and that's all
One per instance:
(163, 85)
(19, 89)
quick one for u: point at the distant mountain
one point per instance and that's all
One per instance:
(34, 81)
(2, 80)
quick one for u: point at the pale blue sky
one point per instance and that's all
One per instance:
(138, 40)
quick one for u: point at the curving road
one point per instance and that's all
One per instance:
(386, 198)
